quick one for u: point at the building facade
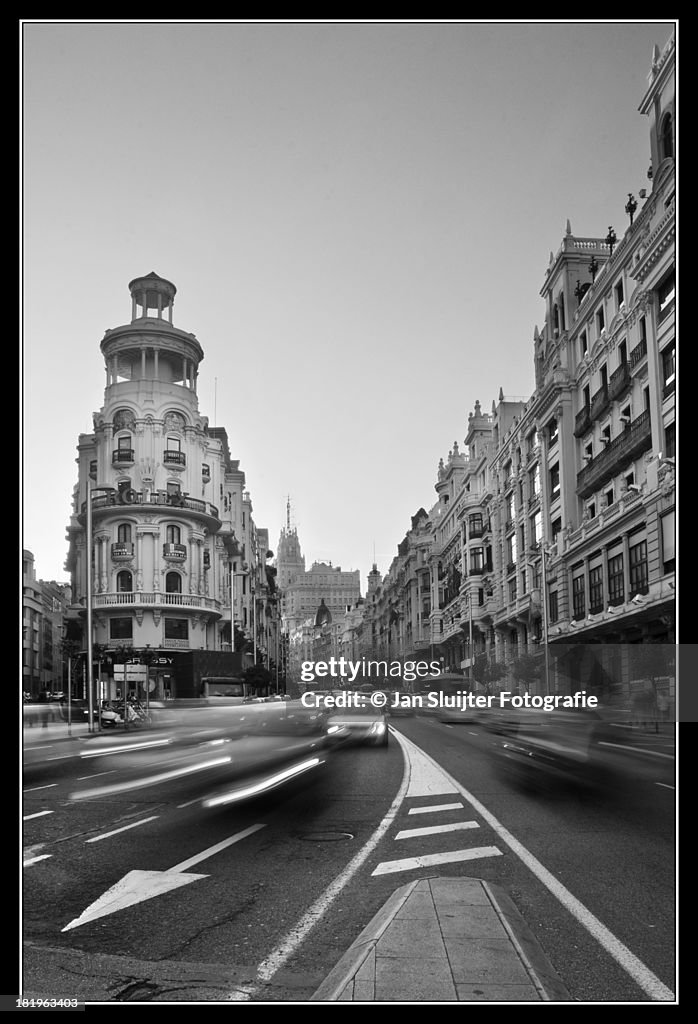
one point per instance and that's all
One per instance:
(166, 554)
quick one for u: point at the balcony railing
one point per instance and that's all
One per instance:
(172, 457)
(122, 550)
(599, 403)
(619, 381)
(145, 498)
(638, 354)
(123, 456)
(582, 421)
(617, 454)
(132, 599)
(174, 552)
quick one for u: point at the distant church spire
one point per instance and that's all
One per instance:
(288, 513)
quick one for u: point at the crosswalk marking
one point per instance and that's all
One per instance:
(432, 830)
(409, 863)
(435, 807)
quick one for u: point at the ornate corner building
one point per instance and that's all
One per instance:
(171, 546)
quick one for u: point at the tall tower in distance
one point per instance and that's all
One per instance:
(290, 562)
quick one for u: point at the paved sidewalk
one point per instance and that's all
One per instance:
(445, 940)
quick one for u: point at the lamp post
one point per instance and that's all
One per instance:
(544, 608)
(88, 598)
(611, 239)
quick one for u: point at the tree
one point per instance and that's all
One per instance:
(528, 669)
(487, 672)
(258, 678)
(651, 661)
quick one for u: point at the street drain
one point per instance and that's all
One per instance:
(326, 837)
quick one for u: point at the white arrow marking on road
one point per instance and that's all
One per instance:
(137, 886)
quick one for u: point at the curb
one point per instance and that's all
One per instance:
(542, 975)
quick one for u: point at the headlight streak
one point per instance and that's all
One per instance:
(152, 780)
(262, 787)
(129, 748)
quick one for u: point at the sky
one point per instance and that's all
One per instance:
(357, 216)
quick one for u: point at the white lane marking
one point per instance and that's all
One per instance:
(434, 807)
(635, 750)
(433, 830)
(35, 789)
(97, 775)
(452, 857)
(293, 938)
(135, 824)
(665, 784)
(35, 860)
(137, 886)
(216, 849)
(638, 971)
(39, 814)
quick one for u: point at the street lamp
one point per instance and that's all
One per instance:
(88, 597)
(544, 605)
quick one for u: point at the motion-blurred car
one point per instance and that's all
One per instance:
(555, 749)
(360, 723)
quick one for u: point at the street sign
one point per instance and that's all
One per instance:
(136, 673)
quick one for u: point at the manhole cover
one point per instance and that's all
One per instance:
(326, 837)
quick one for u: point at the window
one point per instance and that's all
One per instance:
(555, 482)
(666, 138)
(669, 367)
(583, 344)
(534, 481)
(608, 497)
(123, 443)
(173, 583)
(511, 549)
(173, 534)
(174, 444)
(595, 590)
(590, 510)
(477, 560)
(176, 629)
(616, 584)
(622, 353)
(669, 542)
(555, 529)
(121, 629)
(578, 598)
(536, 528)
(123, 533)
(511, 508)
(124, 582)
(512, 589)
(670, 441)
(619, 294)
(600, 321)
(665, 296)
(552, 431)
(643, 331)
(638, 568)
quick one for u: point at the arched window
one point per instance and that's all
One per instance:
(667, 137)
(173, 583)
(124, 582)
(173, 535)
(123, 533)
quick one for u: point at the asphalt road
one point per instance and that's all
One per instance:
(144, 897)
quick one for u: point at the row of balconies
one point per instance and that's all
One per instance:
(142, 498)
(125, 457)
(123, 551)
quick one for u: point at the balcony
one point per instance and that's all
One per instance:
(616, 456)
(174, 552)
(638, 354)
(146, 499)
(123, 551)
(619, 382)
(155, 599)
(599, 403)
(123, 457)
(582, 421)
(174, 459)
